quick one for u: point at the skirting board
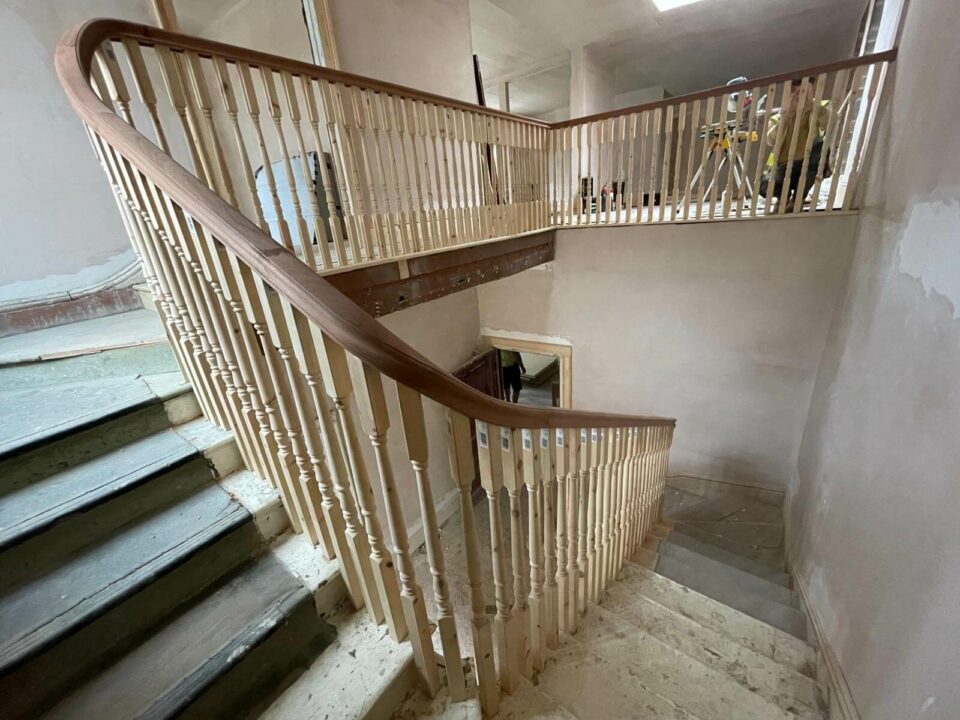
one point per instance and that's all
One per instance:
(841, 699)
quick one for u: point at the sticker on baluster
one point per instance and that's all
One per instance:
(482, 434)
(527, 440)
(618, 433)
(544, 439)
(583, 435)
(559, 437)
(505, 439)
(594, 434)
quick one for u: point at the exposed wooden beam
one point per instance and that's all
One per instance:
(388, 287)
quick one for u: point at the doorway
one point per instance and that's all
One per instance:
(546, 380)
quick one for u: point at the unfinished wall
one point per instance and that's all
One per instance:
(720, 325)
(872, 511)
(424, 45)
(59, 217)
(275, 27)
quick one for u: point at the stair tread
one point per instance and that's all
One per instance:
(718, 587)
(728, 508)
(36, 613)
(778, 683)
(32, 506)
(697, 688)
(772, 557)
(757, 635)
(740, 562)
(160, 677)
(35, 416)
(708, 566)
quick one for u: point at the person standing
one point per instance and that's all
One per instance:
(511, 365)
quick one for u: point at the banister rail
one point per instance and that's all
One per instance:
(239, 176)
(296, 370)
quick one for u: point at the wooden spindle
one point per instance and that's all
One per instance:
(535, 601)
(462, 471)
(547, 458)
(511, 458)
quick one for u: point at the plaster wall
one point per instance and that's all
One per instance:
(275, 27)
(720, 325)
(872, 510)
(424, 45)
(59, 218)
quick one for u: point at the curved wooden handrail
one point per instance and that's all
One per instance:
(337, 316)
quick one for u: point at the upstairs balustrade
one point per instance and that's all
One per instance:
(241, 178)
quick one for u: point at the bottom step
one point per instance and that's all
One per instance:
(217, 659)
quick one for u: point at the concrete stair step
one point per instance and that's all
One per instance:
(721, 572)
(779, 684)
(771, 557)
(222, 657)
(705, 488)
(728, 558)
(765, 639)
(722, 588)
(752, 535)
(695, 687)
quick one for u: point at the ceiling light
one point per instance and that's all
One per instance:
(664, 5)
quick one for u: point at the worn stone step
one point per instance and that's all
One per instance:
(703, 691)
(728, 558)
(751, 535)
(722, 588)
(708, 567)
(777, 683)
(728, 508)
(222, 657)
(31, 503)
(760, 637)
(48, 427)
(705, 487)
(55, 595)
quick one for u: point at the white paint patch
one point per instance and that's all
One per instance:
(930, 249)
(927, 704)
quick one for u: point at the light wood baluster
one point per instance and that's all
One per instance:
(750, 143)
(732, 172)
(205, 105)
(415, 435)
(389, 220)
(574, 493)
(447, 227)
(812, 132)
(375, 420)
(718, 155)
(144, 85)
(462, 470)
(550, 590)
(491, 479)
(707, 130)
(830, 134)
(450, 176)
(535, 601)
(762, 143)
(511, 458)
(778, 143)
(665, 165)
(878, 73)
(352, 222)
(792, 149)
(319, 229)
(562, 457)
(339, 386)
(230, 105)
(355, 108)
(654, 152)
(253, 112)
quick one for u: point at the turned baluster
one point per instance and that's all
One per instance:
(364, 192)
(550, 593)
(342, 157)
(144, 85)
(675, 192)
(561, 465)
(418, 231)
(762, 152)
(462, 471)
(511, 457)
(572, 441)
(415, 435)
(491, 479)
(319, 229)
(535, 602)
(336, 376)
(379, 192)
(384, 110)
(375, 420)
(830, 134)
(583, 523)
(198, 83)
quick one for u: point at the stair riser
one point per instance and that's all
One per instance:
(41, 681)
(249, 686)
(22, 468)
(741, 563)
(47, 550)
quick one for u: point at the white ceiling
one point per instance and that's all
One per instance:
(687, 49)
